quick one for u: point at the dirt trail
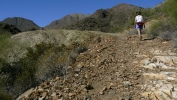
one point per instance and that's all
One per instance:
(116, 68)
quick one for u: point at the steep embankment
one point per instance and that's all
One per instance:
(116, 67)
(58, 37)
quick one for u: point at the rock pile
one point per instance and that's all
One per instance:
(161, 77)
(115, 68)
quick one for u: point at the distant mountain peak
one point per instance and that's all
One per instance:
(21, 23)
(67, 20)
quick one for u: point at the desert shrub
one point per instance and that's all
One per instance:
(53, 63)
(174, 34)
(38, 50)
(17, 76)
(5, 43)
(169, 36)
(170, 10)
(175, 43)
(10, 48)
(42, 62)
(160, 28)
(20, 75)
(174, 38)
(156, 28)
(3, 95)
(166, 36)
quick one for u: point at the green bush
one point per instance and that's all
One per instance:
(53, 63)
(155, 29)
(170, 10)
(10, 48)
(4, 44)
(150, 13)
(162, 28)
(166, 36)
(42, 62)
(20, 75)
(174, 38)
(3, 95)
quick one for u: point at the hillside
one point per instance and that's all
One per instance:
(61, 64)
(99, 66)
(66, 21)
(21, 23)
(115, 67)
(108, 20)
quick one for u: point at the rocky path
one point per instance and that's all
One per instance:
(115, 68)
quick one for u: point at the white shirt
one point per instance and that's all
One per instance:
(139, 18)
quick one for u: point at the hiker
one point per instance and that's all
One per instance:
(139, 23)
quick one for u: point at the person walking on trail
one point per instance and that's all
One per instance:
(139, 23)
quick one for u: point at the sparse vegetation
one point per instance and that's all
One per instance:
(5, 43)
(53, 63)
(40, 63)
(169, 36)
(151, 13)
(170, 10)
(20, 75)
(108, 20)
(167, 20)
(174, 38)
(3, 95)
(113, 21)
(155, 29)
(166, 36)
(10, 48)
(47, 60)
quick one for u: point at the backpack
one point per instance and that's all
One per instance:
(140, 24)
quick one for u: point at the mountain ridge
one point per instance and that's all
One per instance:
(66, 20)
(21, 23)
(80, 21)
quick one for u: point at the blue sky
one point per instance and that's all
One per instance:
(43, 12)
